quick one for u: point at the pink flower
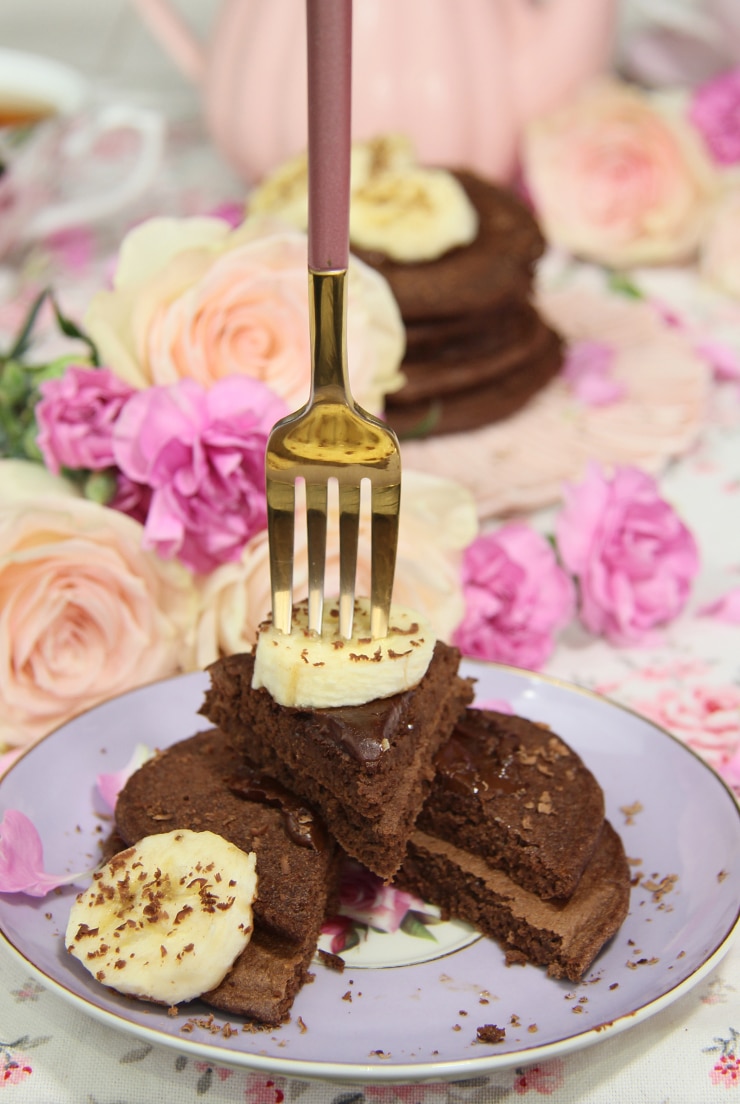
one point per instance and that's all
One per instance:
(715, 112)
(14, 1068)
(192, 298)
(726, 1071)
(544, 1078)
(131, 498)
(22, 859)
(707, 718)
(202, 454)
(632, 556)
(587, 371)
(365, 899)
(339, 928)
(616, 179)
(76, 416)
(517, 597)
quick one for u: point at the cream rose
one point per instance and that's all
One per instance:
(84, 613)
(720, 252)
(438, 521)
(618, 178)
(193, 299)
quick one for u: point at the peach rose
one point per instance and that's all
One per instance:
(618, 178)
(438, 521)
(84, 613)
(720, 252)
(192, 298)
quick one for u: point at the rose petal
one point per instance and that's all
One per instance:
(496, 705)
(22, 859)
(725, 608)
(110, 785)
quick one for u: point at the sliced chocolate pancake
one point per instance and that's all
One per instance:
(514, 793)
(475, 277)
(366, 768)
(203, 784)
(564, 936)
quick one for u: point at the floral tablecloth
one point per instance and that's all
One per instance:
(687, 680)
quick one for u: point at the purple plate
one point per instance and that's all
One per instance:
(679, 822)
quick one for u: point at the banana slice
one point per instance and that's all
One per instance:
(305, 670)
(284, 193)
(166, 919)
(412, 214)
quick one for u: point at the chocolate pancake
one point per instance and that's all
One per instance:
(514, 793)
(366, 768)
(203, 784)
(499, 262)
(564, 936)
(443, 397)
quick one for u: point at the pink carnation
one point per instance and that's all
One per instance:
(516, 595)
(632, 556)
(715, 112)
(76, 415)
(202, 453)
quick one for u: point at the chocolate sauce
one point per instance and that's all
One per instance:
(365, 731)
(487, 767)
(302, 824)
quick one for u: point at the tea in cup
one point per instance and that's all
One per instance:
(50, 129)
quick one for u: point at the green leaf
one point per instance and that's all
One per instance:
(24, 337)
(621, 283)
(71, 329)
(14, 385)
(30, 444)
(413, 925)
(426, 424)
(100, 487)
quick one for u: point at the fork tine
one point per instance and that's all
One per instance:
(349, 524)
(280, 532)
(316, 505)
(386, 502)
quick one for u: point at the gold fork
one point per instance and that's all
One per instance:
(331, 437)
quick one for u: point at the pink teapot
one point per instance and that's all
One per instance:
(461, 78)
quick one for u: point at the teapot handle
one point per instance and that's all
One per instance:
(171, 30)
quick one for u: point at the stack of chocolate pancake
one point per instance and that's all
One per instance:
(477, 350)
(511, 836)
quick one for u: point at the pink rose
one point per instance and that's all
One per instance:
(616, 179)
(202, 453)
(76, 416)
(517, 597)
(85, 613)
(715, 112)
(195, 299)
(632, 556)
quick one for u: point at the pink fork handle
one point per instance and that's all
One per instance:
(329, 33)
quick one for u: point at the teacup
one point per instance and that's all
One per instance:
(50, 130)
